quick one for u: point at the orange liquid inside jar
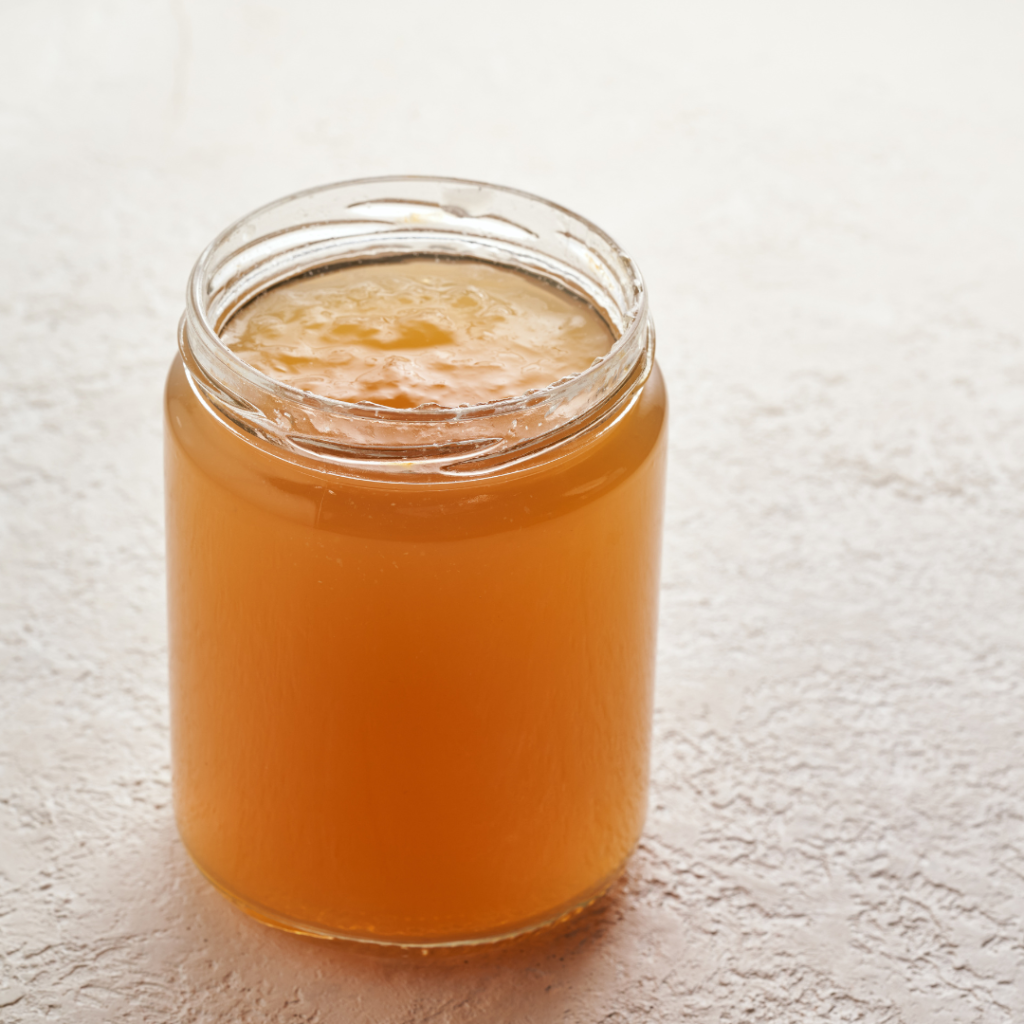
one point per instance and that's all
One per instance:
(412, 641)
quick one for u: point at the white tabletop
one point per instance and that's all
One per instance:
(827, 203)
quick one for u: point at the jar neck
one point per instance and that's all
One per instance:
(395, 218)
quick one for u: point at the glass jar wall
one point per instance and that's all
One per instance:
(412, 649)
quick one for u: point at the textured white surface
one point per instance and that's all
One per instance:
(827, 201)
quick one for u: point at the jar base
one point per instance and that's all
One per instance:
(501, 934)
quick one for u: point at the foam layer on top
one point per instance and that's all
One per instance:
(419, 332)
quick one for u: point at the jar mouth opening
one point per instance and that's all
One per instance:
(394, 218)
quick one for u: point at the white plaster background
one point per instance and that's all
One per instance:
(827, 201)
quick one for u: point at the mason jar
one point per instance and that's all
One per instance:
(412, 650)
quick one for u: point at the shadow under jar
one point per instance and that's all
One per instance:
(412, 649)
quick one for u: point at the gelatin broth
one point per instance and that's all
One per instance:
(412, 710)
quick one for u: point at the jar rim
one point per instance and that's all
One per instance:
(394, 217)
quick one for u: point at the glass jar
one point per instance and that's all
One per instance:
(412, 650)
